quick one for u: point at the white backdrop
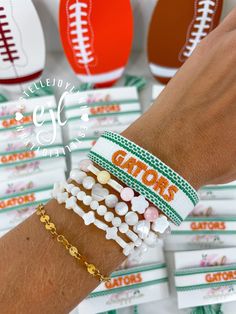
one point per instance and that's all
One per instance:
(142, 9)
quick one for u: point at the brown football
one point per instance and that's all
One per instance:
(175, 30)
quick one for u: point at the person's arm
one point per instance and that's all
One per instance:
(191, 127)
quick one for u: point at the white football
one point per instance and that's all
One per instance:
(22, 46)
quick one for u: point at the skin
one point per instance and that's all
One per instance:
(191, 127)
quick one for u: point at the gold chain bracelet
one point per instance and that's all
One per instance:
(73, 251)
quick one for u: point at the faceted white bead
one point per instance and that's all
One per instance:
(94, 205)
(151, 239)
(108, 216)
(88, 183)
(99, 193)
(77, 175)
(101, 210)
(123, 228)
(142, 228)
(75, 190)
(131, 218)
(121, 208)
(87, 200)
(116, 222)
(111, 200)
(81, 195)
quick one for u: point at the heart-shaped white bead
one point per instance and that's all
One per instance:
(99, 193)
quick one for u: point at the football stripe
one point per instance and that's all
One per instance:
(21, 79)
(101, 78)
(162, 71)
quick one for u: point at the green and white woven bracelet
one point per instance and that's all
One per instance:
(146, 174)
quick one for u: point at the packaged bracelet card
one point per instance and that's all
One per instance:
(17, 207)
(222, 207)
(35, 181)
(202, 232)
(205, 277)
(31, 167)
(103, 107)
(221, 191)
(128, 287)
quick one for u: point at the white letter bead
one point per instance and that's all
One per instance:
(131, 218)
(81, 195)
(109, 216)
(87, 200)
(101, 210)
(123, 227)
(77, 175)
(88, 183)
(75, 190)
(111, 200)
(94, 205)
(121, 208)
(116, 222)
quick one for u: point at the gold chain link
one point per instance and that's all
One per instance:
(73, 251)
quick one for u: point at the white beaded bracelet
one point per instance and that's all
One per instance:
(102, 211)
(89, 218)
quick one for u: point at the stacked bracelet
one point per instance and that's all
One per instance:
(146, 174)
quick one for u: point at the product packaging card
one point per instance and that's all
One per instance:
(128, 287)
(202, 232)
(225, 207)
(20, 112)
(221, 191)
(205, 277)
(139, 280)
(17, 207)
(99, 109)
(35, 181)
(31, 167)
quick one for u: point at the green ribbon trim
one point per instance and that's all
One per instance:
(192, 232)
(208, 309)
(108, 114)
(138, 81)
(211, 219)
(137, 270)
(32, 150)
(204, 270)
(18, 207)
(102, 103)
(207, 285)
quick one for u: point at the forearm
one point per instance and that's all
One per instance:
(38, 275)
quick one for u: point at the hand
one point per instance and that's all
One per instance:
(192, 125)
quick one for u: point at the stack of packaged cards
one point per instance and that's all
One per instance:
(31, 157)
(205, 277)
(90, 113)
(134, 284)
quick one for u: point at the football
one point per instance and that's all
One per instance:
(175, 30)
(97, 37)
(22, 46)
